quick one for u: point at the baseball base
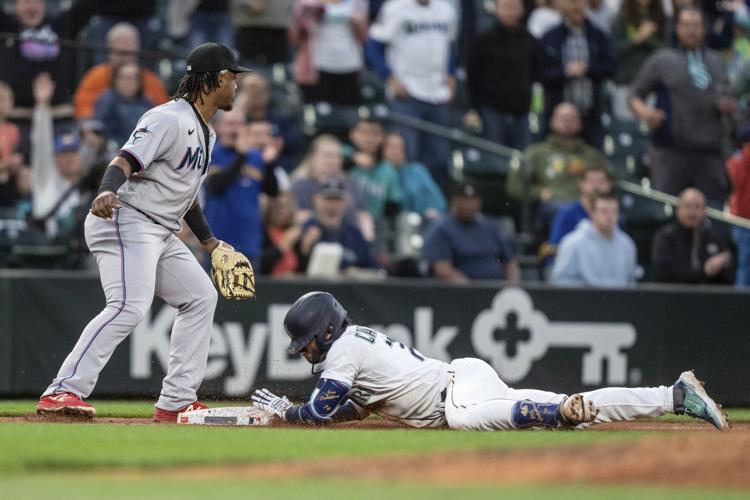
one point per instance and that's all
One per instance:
(233, 415)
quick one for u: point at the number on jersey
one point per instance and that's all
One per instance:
(369, 335)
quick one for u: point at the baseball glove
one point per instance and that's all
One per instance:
(232, 273)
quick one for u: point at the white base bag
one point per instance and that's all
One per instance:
(232, 415)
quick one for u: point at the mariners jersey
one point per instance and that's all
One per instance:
(419, 42)
(388, 378)
(172, 144)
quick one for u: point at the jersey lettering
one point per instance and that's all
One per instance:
(191, 160)
(369, 335)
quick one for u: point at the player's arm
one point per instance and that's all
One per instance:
(115, 176)
(328, 404)
(196, 221)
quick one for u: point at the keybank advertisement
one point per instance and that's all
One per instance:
(557, 339)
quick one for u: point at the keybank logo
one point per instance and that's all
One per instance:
(239, 352)
(512, 309)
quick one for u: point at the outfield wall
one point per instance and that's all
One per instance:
(558, 339)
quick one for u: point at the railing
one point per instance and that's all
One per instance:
(515, 155)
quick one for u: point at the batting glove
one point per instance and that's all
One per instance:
(270, 402)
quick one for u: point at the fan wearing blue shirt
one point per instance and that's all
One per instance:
(464, 245)
(595, 181)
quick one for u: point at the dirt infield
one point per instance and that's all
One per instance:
(687, 454)
(706, 459)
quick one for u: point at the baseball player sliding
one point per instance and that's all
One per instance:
(149, 188)
(365, 371)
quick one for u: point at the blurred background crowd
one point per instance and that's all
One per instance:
(354, 148)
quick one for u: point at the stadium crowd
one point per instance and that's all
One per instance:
(305, 179)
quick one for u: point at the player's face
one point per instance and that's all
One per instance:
(312, 353)
(226, 90)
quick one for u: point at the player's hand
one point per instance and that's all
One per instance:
(105, 204)
(270, 402)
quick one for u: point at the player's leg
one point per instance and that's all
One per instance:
(126, 250)
(183, 284)
(478, 399)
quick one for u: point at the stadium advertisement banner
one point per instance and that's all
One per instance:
(563, 340)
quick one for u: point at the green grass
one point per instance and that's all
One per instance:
(80, 460)
(65, 487)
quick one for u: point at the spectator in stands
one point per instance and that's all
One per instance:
(123, 45)
(324, 160)
(210, 22)
(420, 193)
(120, 107)
(366, 138)
(55, 165)
(738, 167)
(260, 29)
(142, 15)
(465, 245)
(637, 31)
(37, 47)
(574, 61)
(688, 251)
(594, 181)
(282, 234)
(419, 71)
(597, 253)
(254, 98)
(237, 176)
(380, 187)
(719, 22)
(9, 134)
(554, 166)
(692, 95)
(599, 13)
(544, 17)
(95, 148)
(500, 91)
(10, 160)
(328, 36)
(329, 224)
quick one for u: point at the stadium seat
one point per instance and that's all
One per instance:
(626, 145)
(642, 217)
(333, 119)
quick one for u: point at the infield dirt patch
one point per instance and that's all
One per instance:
(696, 455)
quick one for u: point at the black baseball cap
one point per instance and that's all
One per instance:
(465, 189)
(213, 57)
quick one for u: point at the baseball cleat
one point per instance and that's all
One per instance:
(65, 403)
(691, 399)
(576, 410)
(170, 417)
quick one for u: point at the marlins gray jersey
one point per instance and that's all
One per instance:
(388, 378)
(173, 145)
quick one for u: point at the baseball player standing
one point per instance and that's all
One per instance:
(149, 188)
(364, 370)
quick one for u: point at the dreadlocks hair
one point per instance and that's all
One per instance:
(193, 87)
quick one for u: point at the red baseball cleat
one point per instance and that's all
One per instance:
(170, 417)
(65, 403)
